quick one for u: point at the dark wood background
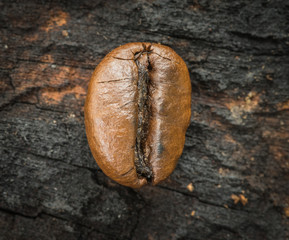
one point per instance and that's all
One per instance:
(232, 181)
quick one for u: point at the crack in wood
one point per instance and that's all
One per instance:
(43, 213)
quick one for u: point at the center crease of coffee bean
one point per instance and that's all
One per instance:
(142, 164)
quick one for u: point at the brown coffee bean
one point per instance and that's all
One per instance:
(137, 111)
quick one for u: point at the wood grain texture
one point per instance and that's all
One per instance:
(235, 159)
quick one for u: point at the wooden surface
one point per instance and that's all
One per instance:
(232, 181)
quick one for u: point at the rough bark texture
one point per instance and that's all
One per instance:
(237, 145)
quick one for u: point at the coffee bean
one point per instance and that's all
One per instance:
(137, 111)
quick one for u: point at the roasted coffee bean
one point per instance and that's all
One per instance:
(137, 111)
